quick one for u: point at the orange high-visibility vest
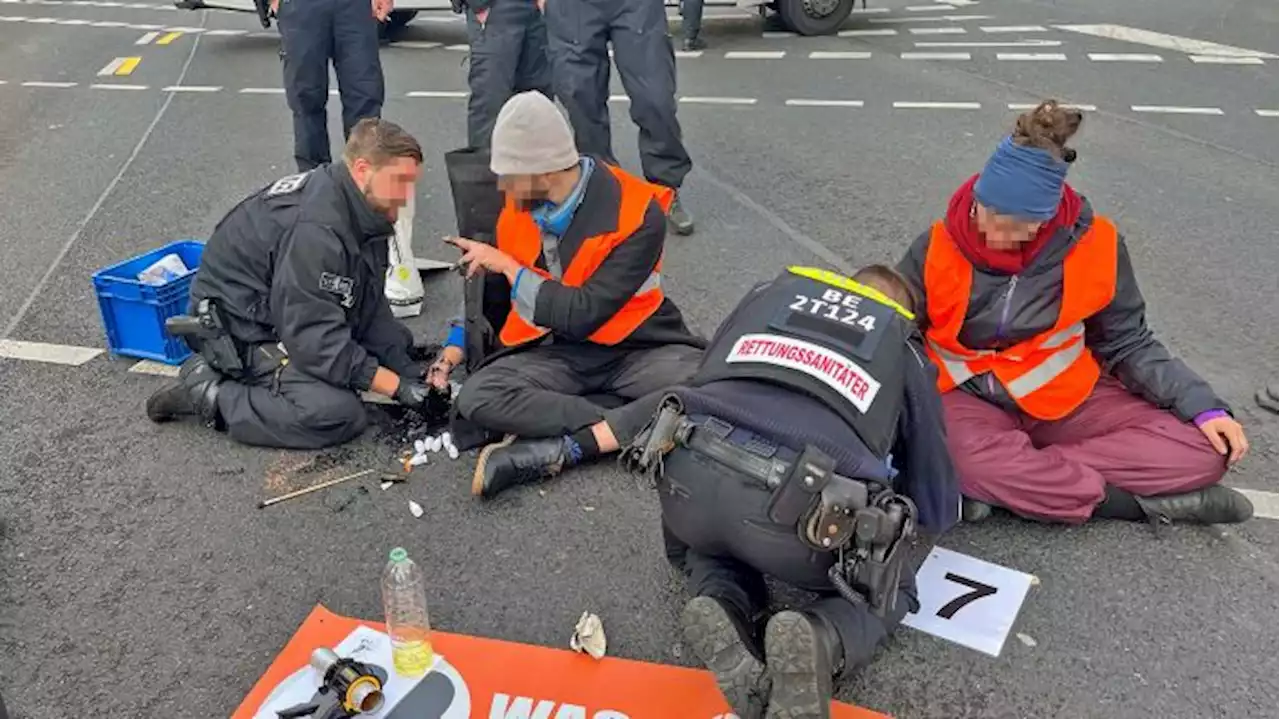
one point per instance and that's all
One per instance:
(520, 237)
(1048, 375)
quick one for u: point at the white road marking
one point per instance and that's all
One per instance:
(455, 94)
(824, 103)
(719, 100)
(755, 55)
(928, 18)
(1175, 110)
(262, 91)
(117, 86)
(225, 33)
(40, 83)
(1016, 43)
(869, 11)
(777, 35)
(111, 67)
(867, 33)
(146, 39)
(108, 23)
(458, 48)
(191, 88)
(834, 55)
(937, 105)
(158, 369)
(1124, 57)
(1033, 56)
(417, 44)
(937, 31)
(1265, 504)
(1187, 45)
(1267, 113)
(1225, 60)
(929, 8)
(1014, 28)
(935, 56)
(1034, 105)
(688, 53)
(619, 98)
(42, 352)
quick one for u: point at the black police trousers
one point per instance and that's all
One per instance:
(508, 56)
(553, 390)
(716, 530)
(282, 407)
(313, 33)
(580, 32)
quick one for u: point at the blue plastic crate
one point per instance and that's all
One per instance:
(133, 313)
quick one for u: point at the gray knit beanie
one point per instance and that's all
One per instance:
(531, 137)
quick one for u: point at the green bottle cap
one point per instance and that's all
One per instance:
(399, 555)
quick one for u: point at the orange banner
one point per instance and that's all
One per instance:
(506, 680)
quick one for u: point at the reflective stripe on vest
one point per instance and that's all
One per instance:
(520, 237)
(1048, 375)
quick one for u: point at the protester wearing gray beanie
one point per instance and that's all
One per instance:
(531, 137)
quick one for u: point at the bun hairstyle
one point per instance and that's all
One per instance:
(1048, 127)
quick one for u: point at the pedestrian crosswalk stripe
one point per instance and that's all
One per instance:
(48, 353)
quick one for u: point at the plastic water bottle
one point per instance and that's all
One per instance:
(404, 599)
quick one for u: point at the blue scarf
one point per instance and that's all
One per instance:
(1025, 182)
(554, 219)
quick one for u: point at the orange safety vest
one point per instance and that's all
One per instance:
(1048, 375)
(520, 237)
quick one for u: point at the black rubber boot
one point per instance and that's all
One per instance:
(1214, 504)
(722, 641)
(679, 218)
(695, 43)
(801, 651)
(195, 394)
(513, 462)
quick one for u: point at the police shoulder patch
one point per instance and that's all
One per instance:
(285, 185)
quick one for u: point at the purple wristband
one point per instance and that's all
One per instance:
(1209, 414)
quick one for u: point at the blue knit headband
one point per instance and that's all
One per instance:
(1024, 182)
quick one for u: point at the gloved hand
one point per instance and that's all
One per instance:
(413, 395)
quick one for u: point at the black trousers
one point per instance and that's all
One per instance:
(313, 33)
(508, 56)
(545, 391)
(716, 530)
(282, 407)
(580, 32)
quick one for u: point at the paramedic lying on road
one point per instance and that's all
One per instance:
(300, 265)
(784, 455)
(1060, 404)
(580, 243)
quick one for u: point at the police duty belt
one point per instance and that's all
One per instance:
(867, 523)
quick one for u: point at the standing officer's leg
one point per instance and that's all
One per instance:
(647, 65)
(535, 57)
(578, 36)
(496, 46)
(691, 24)
(306, 39)
(356, 62)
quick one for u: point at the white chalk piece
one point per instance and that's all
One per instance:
(415, 508)
(419, 446)
(386, 485)
(967, 600)
(418, 460)
(433, 444)
(447, 440)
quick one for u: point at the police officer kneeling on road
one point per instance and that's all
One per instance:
(290, 321)
(809, 446)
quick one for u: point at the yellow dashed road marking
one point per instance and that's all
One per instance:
(168, 38)
(120, 66)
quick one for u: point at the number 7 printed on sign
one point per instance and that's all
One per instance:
(967, 600)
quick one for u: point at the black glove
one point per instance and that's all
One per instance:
(413, 395)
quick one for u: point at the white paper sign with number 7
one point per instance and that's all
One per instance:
(967, 600)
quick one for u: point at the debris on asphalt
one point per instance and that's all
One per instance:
(588, 636)
(415, 508)
(446, 440)
(313, 488)
(1026, 639)
(386, 485)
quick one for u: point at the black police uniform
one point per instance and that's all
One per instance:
(298, 265)
(580, 33)
(809, 446)
(313, 33)
(508, 56)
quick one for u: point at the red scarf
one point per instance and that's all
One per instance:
(963, 228)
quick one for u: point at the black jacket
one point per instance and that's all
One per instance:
(1006, 309)
(303, 262)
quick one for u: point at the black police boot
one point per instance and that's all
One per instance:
(679, 218)
(801, 651)
(722, 640)
(695, 43)
(195, 394)
(1214, 504)
(513, 462)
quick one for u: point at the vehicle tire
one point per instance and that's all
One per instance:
(814, 17)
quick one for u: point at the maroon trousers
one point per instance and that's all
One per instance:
(1058, 470)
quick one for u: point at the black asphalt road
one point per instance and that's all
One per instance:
(137, 578)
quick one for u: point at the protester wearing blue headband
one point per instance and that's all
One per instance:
(1060, 404)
